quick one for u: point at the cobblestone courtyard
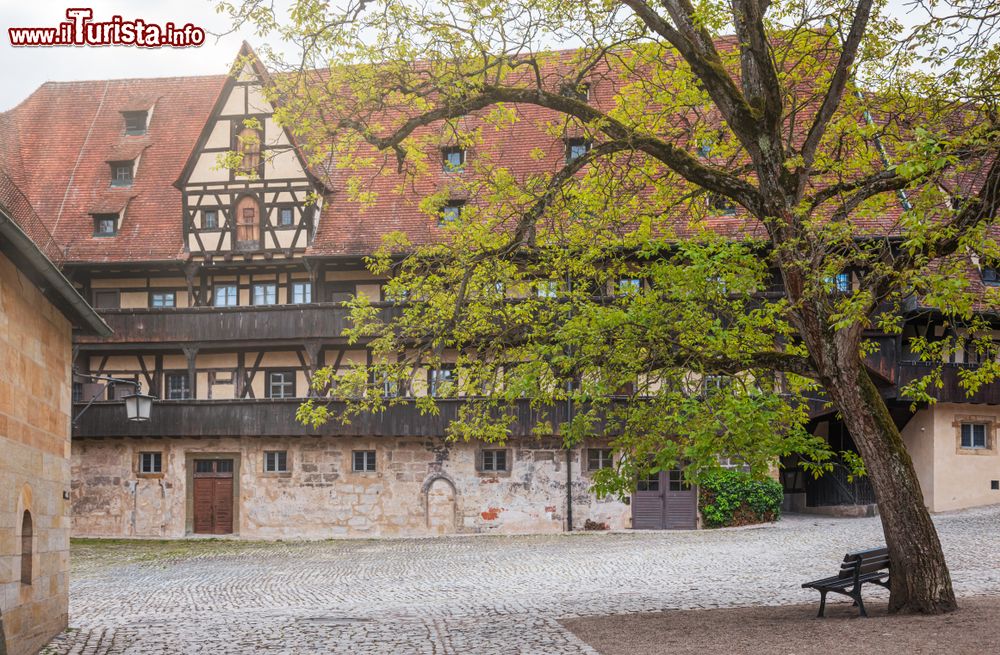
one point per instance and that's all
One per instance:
(459, 595)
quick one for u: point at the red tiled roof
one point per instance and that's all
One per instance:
(66, 133)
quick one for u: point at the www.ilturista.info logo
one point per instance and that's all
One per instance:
(80, 30)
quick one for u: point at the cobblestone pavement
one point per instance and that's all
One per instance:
(478, 595)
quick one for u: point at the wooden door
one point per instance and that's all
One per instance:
(663, 501)
(213, 496)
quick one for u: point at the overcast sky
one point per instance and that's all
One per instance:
(24, 69)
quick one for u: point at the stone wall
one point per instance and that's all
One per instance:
(35, 350)
(421, 486)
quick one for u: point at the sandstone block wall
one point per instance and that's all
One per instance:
(35, 397)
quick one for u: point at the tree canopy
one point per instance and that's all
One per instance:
(684, 222)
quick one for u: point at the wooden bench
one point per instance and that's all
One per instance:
(857, 569)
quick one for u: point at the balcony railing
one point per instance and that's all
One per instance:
(952, 391)
(227, 324)
(233, 418)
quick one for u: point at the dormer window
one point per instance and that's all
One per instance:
(721, 205)
(576, 148)
(105, 225)
(991, 276)
(454, 160)
(451, 212)
(248, 143)
(579, 92)
(135, 122)
(121, 173)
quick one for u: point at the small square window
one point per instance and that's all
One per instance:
(301, 292)
(150, 463)
(107, 299)
(265, 294)
(576, 148)
(720, 204)
(135, 122)
(178, 387)
(629, 286)
(275, 461)
(210, 219)
(841, 282)
(286, 216)
(363, 461)
(547, 288)
(281, 384)
(991, 276)
(121, 173)
(439, 381)
(451, 212)
(974, 436)
(162, 299)
(599, 458)
(105, 225)
(454, 160)
(226, 295)
(495, 460)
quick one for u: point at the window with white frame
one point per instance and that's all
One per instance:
(628, 286)
(162, 299)
(210, 219)
(275, 461)
(439, 381)
(547, 288)
(178, 386)
(453, 159)
(281, 384)
(494, 460)
(599, 458)
(226, 295)
(150, 463)
(975, 436)
(301, 292)
(121, 173)
(265, 294)
(451, 212)
(363, 461)
(576, 148)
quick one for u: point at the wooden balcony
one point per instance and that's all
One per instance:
(227, 418)
(232, 325)
(952, 391)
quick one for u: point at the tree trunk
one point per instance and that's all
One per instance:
(920, 581)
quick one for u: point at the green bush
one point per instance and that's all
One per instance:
(729, 498)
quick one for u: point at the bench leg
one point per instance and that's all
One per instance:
(822, 604)
(861, 606)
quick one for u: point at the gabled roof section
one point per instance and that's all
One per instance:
(246, 57)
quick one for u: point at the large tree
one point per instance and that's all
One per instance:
(621, 281)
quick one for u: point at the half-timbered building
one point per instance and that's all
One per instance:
(224, 289)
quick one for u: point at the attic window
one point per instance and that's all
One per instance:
(121, 173)
(451, 212)
(991, 276)
(454, 160)
(576, 148)
(720, 204)
(105, 225)
(135, 122)
(579, 92)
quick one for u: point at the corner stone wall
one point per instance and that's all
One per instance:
(35, 352)
(422, 486)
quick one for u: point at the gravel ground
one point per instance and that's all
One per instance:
(483, 595)
(795, 630)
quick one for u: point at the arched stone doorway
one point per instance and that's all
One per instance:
(441, 506)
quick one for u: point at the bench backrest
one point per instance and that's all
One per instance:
(864, 561)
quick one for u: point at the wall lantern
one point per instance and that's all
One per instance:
(138, 406)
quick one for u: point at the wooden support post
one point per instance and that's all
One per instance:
(191, 352)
